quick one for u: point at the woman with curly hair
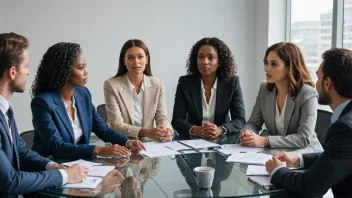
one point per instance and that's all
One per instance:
(286, 102)
(134, 99)
(210, 91)
(62, 109)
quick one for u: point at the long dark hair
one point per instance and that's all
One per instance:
(293, 58)
(55, 67)
(226, 60)
(133, 43)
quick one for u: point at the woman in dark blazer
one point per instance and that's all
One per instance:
(210, 91)
(62, 109)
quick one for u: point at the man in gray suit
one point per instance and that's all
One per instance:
(333, 167)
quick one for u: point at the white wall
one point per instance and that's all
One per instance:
(169, 28)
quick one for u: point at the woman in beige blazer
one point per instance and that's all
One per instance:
(134, 99)
(286, 103)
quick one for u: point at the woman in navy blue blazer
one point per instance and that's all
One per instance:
(62, 109)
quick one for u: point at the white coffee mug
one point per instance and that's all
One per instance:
(204, 176)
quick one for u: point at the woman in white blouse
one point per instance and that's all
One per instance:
(286, 103)
(135, 99)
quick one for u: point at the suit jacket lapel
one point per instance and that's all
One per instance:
(270, 98)
(221, 96)
(82, 114)
(4, 123)
(148, 99)
(289, 107)
(197, 97)
(61, 110)
(126, 95)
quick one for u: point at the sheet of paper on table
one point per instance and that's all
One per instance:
(90, 182)
(82, 162)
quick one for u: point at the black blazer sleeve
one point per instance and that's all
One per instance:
(180, 112)
(329, 169)
(236, 109)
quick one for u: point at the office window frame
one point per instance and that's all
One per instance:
(337, 22)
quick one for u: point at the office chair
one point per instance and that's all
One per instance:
(322, 125)
(27, 136)
(102, 112)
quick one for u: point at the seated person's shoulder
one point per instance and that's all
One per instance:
(307, 92)
(113, 80)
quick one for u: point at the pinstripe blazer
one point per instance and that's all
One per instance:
(299, 118)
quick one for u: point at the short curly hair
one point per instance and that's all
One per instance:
(55, 67)
(227, 64)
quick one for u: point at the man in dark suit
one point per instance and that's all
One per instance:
(332, 168)
(22, 170)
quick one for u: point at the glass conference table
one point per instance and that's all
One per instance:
(171, 176)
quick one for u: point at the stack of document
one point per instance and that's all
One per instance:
(263, 182)
(249, 158)
(253, 170)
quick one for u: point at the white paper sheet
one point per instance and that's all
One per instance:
(262, 181)
(230, 149)
(249, 158)
(82, 162)
(156, 149)
(200, 144)
(99, 171)
(90, 182)
(174, 145)
(256, 170)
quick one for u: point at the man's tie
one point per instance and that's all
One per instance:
(9, 114)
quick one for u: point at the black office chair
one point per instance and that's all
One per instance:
(102, 112)
(27, 136)
(322, 125)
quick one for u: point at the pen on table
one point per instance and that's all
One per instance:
(243, 152)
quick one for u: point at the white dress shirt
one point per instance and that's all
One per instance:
(4, 107)
(209, 108)
(279, 118)
(137, 104)
(75, 123)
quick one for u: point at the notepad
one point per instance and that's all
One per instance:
(82, 162)
(249, 158)
(90, 182)
(100, 171)
(200, 144)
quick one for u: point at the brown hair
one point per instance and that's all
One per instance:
(133, 43)
(298, 73)
(11, 49)
(337, 65)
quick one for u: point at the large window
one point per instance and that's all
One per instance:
(318, 25)
(311, 29)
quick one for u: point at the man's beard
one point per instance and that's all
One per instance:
(16, 88)
(324, 98)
